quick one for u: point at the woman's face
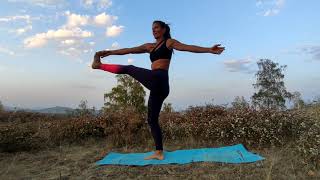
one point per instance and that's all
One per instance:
(157, 30)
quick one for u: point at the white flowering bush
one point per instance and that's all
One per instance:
(263, 128)
(209, 123)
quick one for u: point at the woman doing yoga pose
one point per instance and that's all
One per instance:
(156, 79)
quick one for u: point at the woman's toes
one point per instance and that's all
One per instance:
(95, 64)
(155, 156)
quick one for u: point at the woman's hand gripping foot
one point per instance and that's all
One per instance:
(96, 62)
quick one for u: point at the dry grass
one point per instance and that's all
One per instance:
(36, 146)
(78, 162)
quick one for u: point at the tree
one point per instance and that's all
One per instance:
(298, 102)
(1, 107)
(271, 92)
(167, 107)
(128, 93)
(316, 100)
(82, 110)
(240, 102)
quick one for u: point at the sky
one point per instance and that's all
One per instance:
(46, 47)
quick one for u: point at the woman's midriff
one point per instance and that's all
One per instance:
(160, 64)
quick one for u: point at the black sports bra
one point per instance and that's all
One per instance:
(160, 53)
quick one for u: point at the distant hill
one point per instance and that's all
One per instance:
(51, 110)
(54, 110)
(8, 108)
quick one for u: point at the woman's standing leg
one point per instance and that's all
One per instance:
(154, 107)
(158, 94)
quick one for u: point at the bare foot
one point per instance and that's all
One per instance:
(96, 62)
(157, 155)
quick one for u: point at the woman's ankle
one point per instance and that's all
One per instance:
(96, 63)
(159, 151)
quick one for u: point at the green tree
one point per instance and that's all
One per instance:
(83, 110)
(271, 92)
(167, 107)
(240, 102)
(1, 107)
(128, 93)
(298, 102)
(316, 100)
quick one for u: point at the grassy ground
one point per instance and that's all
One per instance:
(30, 143)
(77, 161)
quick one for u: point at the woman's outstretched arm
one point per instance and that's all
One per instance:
(216, 49)
(134, 50)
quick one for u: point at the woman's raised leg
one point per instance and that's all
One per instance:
(140, 74)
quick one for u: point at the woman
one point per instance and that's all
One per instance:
(157, 79)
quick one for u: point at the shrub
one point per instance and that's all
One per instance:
(74, 130)
(18, 137)
(209, 123)
(124, 126)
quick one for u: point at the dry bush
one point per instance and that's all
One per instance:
(23, 116)
(74, 130)
(253, 128)
(20, 131)
(124, 126)
(309, 140)
(209, 123)
(19, 116)
(18, 137)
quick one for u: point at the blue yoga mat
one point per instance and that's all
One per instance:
(228, 154)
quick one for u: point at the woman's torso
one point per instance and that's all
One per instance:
(160, 55)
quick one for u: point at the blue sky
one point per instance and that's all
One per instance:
(46, 47)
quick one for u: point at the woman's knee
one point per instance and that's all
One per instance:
(125, 69)
(131, 67)
(153, 121)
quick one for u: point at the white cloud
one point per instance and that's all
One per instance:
(97, 4)
(115, 45)
(68, 42)
(38, 40)
(43, 3)
(130, 61)
(41, 39)
(23, 30)
(6, 51)
(271, 12)
(280, 3)
(270, 7)
(75, 52)
(104, 19)
(105, 3)
(312, 50)
(70, 32)
(114, 31)
(71, 38)
(76, 20)
(239, 65)
(26, 18)
(88, 2)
